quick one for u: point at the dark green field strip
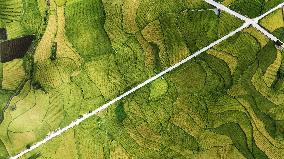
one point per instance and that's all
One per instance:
(211, 107)
(251, 8)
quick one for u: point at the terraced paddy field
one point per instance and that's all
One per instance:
(225, 103)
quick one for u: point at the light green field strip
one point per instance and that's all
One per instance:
(271, 73)
(15, 30)
(229, 59)
(13, 74)
(43, 50)
(273, 21)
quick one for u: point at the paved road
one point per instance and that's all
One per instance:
(253, 22)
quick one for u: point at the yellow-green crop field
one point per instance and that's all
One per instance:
(226, 103)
